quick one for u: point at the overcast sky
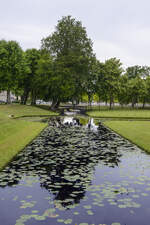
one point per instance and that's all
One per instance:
(118, 28)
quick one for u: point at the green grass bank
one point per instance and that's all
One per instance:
(16, 134)
(133, 124)
(120, 113)
(138, 132)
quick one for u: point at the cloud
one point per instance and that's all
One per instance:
(105, 50)
(119, 28)
(29, 36)
(130, 44)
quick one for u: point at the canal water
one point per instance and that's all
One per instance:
(76, 174)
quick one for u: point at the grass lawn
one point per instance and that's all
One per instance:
(137, 132)
(23, 110)
(16, 134)
(120, 113)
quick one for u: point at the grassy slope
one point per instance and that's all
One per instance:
(121, 113)
(135, 131)
(23, 110)
(16, 134)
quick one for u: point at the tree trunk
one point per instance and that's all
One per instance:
(89, 100)
(143, 104)
(99, 102)
(55, 104)
(111, 102)
(24, 97)
(33, 97)
(8, 97)
(133, 103)
(110, 105)
(33, 102)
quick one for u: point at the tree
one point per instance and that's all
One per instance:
(133, 71)
(145, 72)
(147, 82)
(25, 83)
(143, 95)
(135, 86)
(46, 77)
(72, 52)
(138, 71)
(3, 62)
(91, 79)
(30, 81)
(123, 90)
(11, 66)
(111, 74)
(101, 89)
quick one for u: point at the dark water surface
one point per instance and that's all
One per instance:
(76, 175)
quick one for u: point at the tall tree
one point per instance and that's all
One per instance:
(90, 83)
(133, 71)
(101, 85)
(112, 72)
(123, 90)
(72, 52)
(138, 71)
(135, 86)
(11, 66)
(45, 79)
(143, 95)
(147, 91)
(30, 79)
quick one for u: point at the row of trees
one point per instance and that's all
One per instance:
(129, 86)
(65, 68)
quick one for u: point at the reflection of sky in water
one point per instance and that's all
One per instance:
(72, 175)
(68, 120)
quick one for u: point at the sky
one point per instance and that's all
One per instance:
(118, 28)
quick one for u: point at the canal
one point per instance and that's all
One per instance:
(76, 174)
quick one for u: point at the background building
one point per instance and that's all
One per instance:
(3, 96)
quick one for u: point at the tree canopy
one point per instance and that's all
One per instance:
(66, 69)
(11, 65)
(72, 53)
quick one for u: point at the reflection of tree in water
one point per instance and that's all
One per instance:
(64, 158)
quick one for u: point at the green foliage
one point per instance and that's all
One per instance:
(138, 71)
(70, 37)
(135, 85)
(11, 65)
(44, 75)
(72, 53)
(31, 79)
(101, 88)
(147, 89)
(123, 90)
(108, 80)
(66, 69)
(90, 82)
